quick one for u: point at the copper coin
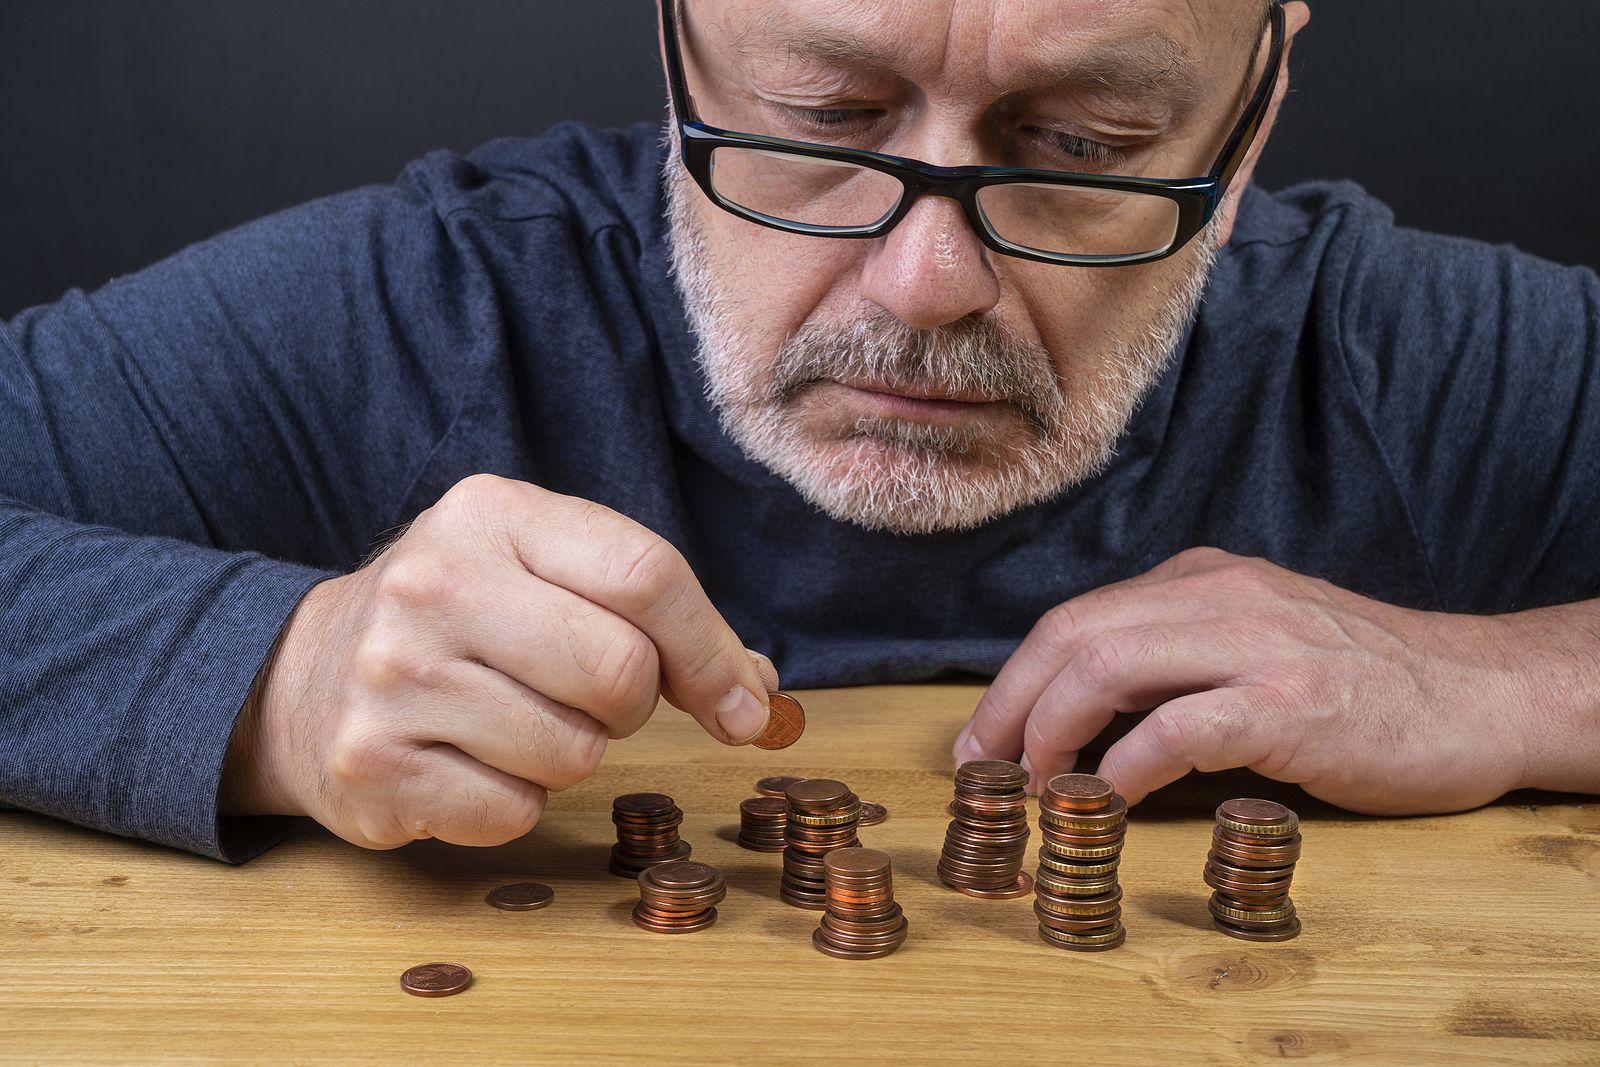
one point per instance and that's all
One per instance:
(872, 814)
(784, 725)
(774, 784)
(1079, 792)
(521, 896)
(1019, 888)
(858, 861)
(435, 979)
(1287, 932)
(683, 874)
(765, 806)
(992, 773)
(1254, 812)
(817, 793)
(643, 803)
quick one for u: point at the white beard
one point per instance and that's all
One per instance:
(905, 477)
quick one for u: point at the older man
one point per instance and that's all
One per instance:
(942, 346)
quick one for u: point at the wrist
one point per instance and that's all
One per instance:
(254, 775)
(1554, 657)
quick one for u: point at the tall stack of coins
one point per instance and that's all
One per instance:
(985, 844)
(1078, 901)
(822, 815)
(647, 832)
(862, 921)
(1254, 848)
(678, 897)
(761, 823)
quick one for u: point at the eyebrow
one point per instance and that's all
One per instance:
(1146, 65)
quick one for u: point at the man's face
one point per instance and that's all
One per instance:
(919, 381)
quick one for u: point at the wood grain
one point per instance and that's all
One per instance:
(1463, 939)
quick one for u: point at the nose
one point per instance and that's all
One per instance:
(931, 269)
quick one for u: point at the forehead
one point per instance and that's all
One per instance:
(1169, 45)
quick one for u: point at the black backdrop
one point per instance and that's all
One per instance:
(129, 128)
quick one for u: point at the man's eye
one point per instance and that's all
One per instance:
(828, 116)
(1079, 148)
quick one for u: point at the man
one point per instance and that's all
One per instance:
(917, 368)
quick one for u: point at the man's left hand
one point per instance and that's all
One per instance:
(1372, 707)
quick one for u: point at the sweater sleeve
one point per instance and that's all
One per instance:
(1479, 369)
(182, 455)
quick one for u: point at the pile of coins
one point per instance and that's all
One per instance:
(678, 897)
(1254, 848)
(647, 833)
(761, 823)
(822, 816)
(862, 921)
(985, 844)
(1078, 901)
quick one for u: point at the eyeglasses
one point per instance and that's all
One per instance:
(1088, 220)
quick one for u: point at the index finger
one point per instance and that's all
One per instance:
(614, 562)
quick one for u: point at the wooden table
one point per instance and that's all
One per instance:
(1471, 938)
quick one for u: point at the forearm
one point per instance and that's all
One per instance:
(1554, 658)
(125, 662)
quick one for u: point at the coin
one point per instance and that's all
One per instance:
(1079, 792)
(521, 896)
(785, 724)
(872, 814)
(435, 979)
(774, 784)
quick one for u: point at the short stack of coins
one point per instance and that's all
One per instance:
(822, 816)
(1078, 901)
(1254, 848)
(678, 897)
(862, 920)
(647, 833)
(986, 843)
(761, 823)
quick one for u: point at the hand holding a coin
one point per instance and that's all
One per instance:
(483, 659)
(1241, 663)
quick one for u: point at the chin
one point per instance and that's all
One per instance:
(892, 486)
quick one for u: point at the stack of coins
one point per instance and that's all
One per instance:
(862, 921)
(678, 897)
(1254, 848)
(647, 833)
(761, 823)
(1078, 902)
(822, 815)
(985, 845)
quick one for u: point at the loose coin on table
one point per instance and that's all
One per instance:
(774, 784)
(873, 814)
(785, 724)
(435, 979)
(521, 896)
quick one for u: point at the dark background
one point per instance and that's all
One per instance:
(129, 128)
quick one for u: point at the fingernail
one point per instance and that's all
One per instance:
(741, 715)
(966, 749)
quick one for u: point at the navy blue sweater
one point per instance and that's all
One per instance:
(186, 451)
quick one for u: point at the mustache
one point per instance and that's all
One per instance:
(976, 355)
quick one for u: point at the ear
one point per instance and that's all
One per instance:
(1296, 15)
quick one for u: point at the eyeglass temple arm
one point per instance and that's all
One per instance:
(1238, 146)
(677, 84)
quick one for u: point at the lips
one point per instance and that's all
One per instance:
(961, 396)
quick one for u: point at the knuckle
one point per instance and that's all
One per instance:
(420, 581)
(361, 755)
(1174, 733)
(385, 660)
(646, 571)
(627, 673)
(1060, 624)
(1101, 662)
(475, 502)
(580, 756)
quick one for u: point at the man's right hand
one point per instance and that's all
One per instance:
(483, 659)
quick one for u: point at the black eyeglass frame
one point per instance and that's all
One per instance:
(1197, 199)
